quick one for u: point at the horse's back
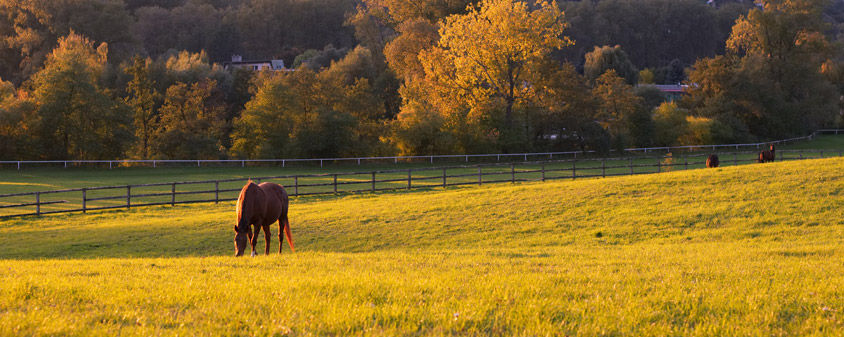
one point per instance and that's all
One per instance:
(276, 199)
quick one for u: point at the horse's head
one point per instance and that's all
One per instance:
(772, 147)
(241, 237)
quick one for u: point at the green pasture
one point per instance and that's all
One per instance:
(31, 179)
(739, 250)
(349, 178)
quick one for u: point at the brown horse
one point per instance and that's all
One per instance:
(261, 205)
(767, 156)
(712, 161)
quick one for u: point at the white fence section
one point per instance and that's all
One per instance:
(441, 158)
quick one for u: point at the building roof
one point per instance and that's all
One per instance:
(668, 87)
(274, 64)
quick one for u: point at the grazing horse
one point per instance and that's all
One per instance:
(261, 205)
(712, 161)
(767, 156)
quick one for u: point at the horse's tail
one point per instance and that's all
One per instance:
(287, 233)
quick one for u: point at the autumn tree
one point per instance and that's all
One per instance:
(76, 117)
(489, 56)
(30, 29)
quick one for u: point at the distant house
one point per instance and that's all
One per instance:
(672, 92)
(238, 62)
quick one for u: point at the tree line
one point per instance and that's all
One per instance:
(107, 79)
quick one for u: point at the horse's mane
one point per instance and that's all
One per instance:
(240, 198)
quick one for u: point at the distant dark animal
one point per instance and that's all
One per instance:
(712, 161)
(260, 206)
(767, 156)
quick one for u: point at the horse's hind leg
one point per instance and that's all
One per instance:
(267, 239)
(284, 227)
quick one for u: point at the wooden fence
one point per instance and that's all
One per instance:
(172, 193)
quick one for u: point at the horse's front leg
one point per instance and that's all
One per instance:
(253, 240)
(267, 239)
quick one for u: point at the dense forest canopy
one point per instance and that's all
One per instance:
(106, 79)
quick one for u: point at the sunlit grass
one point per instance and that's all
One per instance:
(746, 250)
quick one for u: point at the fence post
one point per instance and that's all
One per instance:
(686, 160)
(574, 170)
(801, 154)
(512, 172)
(373, 181)
(444, 176)
(296, 185)
(603, 169)
(109, 164)
(242, 163)
(408, 178)
(19, 165)
(173, 195)
(84, 199)
(543, 171)
(631, 165)
(197, 163)
(335, 183)
(37, 203)
(480, 179)
(128, 196)
(658, 165)
(216, 192)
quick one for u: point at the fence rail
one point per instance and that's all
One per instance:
(185, 192)
(396, 159)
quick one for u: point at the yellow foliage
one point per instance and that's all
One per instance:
(485, 57)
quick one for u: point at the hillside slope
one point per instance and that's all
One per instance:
(742, 250)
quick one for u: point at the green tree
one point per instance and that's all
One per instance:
(76, 117)
(16, 116)
(770, 82)
(617, 103)
(671, 123)
(602, 59)
(142, 98)
(646, 76)
(191, 124)
(308, 114)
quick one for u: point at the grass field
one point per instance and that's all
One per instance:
(743, 250)
(392, 176)
(44, 179)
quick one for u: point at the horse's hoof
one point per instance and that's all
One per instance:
(253, 254)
